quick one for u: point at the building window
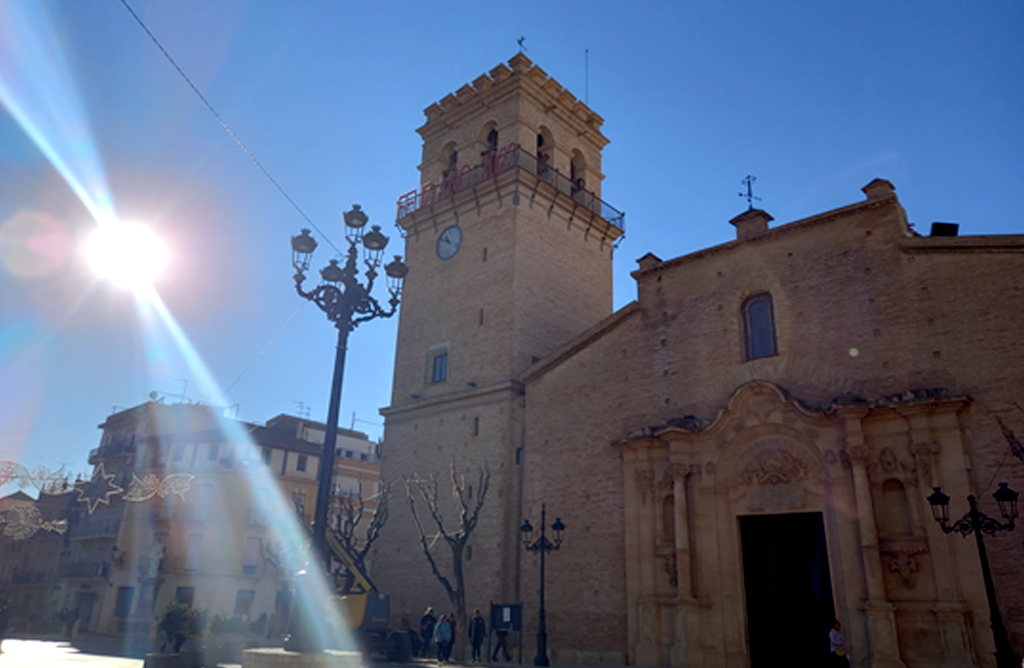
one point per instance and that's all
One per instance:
(123, 606)
(195, 552)
(250, 556)
(267, 452)
(185, 595)
(300, 465)
(212, 453)
(243, 601)
(439, 368)
(759, 326)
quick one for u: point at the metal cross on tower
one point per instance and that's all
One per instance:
(520, 43)
(748, 181)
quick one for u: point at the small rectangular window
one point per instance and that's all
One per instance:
(179, 452)
(759, 326)
(211, 455)
(243, 601)
(250, 556)
(184, 595)
(267, 453)
(300, 465)
(440, 368)
(194, 555)
(123, 606)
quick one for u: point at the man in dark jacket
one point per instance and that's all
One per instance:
(5, 619)
(477, 633)
(427, 623)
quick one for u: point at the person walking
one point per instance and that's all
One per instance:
(427, 623)
(477, 633)
(443, 637)
(837, 646)
(5, 619)
(502, 644)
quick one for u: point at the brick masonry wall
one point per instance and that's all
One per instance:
(858, 310)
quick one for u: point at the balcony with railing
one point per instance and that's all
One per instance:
(495, 163)
(84, 569)
(28, 577)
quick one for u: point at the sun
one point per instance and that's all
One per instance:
(128, 255)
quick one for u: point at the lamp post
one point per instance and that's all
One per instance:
(542, 545)
(978, 523)
(346, 302)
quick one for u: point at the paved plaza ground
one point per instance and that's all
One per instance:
(103, 653)
(56, 654)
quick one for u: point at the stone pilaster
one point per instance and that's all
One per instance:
(881, 614)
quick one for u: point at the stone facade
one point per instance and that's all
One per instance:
(788, 397)
(533, 270)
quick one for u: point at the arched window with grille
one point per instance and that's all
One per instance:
(759, 326)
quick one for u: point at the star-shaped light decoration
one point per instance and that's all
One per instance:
(98, 490)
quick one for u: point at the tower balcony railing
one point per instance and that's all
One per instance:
(496, 162)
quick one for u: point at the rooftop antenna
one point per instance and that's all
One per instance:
(303, 409)
(748, 181)
(183, 397)
(520, 43)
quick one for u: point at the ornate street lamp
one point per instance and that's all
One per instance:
(978, 523)
(542, 545)
(346, 302)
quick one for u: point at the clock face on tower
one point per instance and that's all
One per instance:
(449, 241)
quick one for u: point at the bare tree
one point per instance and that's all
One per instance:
(286, 557)
(345, 526)
(454, 535)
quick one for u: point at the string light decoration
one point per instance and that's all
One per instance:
(145, 488)
(24, 521)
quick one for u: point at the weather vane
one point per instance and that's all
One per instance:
(748, 181)
(520, 43)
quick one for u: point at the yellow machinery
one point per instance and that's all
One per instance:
(368, 611)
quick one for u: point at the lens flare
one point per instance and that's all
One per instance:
(126, 254)
(39, 91)
(33, 244)
(162, 331)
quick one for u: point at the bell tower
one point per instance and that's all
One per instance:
(509, 246)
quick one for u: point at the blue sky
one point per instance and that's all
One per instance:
(814, 98)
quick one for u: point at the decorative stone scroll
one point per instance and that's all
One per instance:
(784, 496)
(774, 466)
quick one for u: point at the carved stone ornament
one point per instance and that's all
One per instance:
(859, 453)
(774, 466)
(667, 483)
(645, 483)
(922, 453)
(678, 471)
(887, 460)
(672, 569)
(902, 561)
(906, 567)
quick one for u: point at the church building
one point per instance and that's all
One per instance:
(742, 454)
